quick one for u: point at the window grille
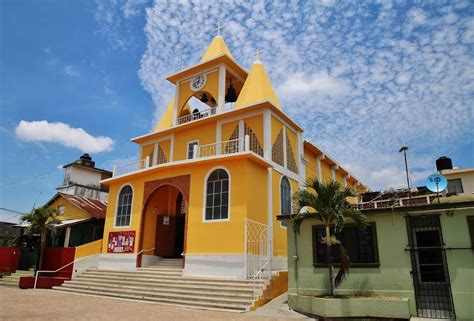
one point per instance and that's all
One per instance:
(161, 156)
(277, 149)
(254, 143)
(290, 157)
(217, 195)
(124, 207)
(455, 186)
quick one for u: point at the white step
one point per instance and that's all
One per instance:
(154, 292)
(175, 302)
(215, 290)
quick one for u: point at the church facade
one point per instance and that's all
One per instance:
(208, 175)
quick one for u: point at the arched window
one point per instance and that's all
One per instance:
(217, 195)
(124, 206)
(285, 197)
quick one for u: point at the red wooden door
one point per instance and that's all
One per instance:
(165, 236)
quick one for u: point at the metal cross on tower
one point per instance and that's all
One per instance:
(258, 53)
(220, 26)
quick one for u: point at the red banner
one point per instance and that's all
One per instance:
(121, 242)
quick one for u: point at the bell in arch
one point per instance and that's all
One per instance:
(230, 97)
(204, 98)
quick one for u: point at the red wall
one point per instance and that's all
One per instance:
(9, 258)
(56, 257)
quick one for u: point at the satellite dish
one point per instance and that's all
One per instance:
(436, 183)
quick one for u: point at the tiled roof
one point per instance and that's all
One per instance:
(94, 207)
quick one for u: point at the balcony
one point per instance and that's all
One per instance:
(196, 116)
(233, 146)
(398, 202)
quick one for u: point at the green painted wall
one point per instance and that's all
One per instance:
(393, 276)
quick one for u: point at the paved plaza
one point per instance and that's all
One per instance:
(17, 304)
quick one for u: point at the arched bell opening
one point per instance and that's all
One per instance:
(233, 87)
(202, 104)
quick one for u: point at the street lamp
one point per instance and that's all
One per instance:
(404, 150)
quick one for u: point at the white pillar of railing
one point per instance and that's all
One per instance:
(147, 161)
(67, 236)
(247, 143)
(196, 151)
(114, 171)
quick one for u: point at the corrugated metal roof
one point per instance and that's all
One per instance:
(94, 207)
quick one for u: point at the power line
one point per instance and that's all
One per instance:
(46, 173)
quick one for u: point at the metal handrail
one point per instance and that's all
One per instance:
(51, 271)
(145, 251)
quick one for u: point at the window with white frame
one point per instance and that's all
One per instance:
(217, 195)
(285, 198)
(61, 209)
(124, 206)
(455, 186)
(191, 148)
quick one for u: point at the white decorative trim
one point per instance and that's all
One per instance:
(285, 172)
(218, 136)
(154, 160)
(215, 265)
(270, 209)
(267, 134)
(156, 140)
(187, 148)
(285, 124)
(127, 262)
(176, 101)
(116, 207)
(205, 195)
(171, 148)
(241, 135)
(320, 170)
(241, 117)
(221, 89)
(285, 161)
(205, 72)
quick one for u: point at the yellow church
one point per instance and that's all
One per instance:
(221, 164)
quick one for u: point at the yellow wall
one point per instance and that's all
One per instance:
(212, 87)
(147, 150)
(165, 146)
(227, 129)
(279, 231)
(311, 166)
(205, 133)
(88, 249)
(339, 178)
(202, 237)
(256, 123)
(257, 191)
(71, 212)
(276, 128)
(326, 171)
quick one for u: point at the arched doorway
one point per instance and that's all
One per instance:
(164, 222)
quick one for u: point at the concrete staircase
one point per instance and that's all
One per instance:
(14, 279)
(163, 283)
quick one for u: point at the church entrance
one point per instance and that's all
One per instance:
(170, 223)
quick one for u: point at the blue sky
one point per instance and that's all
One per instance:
(363, 78)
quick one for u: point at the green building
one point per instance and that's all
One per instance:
(416, 258)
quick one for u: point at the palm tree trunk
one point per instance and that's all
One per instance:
(42, 249)
(329, 257)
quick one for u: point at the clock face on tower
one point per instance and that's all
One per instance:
(198, 82)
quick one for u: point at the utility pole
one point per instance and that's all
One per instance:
(404, 150)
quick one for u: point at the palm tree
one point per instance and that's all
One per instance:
(41, 220)
(327, 202)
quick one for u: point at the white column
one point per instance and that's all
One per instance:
(267, 135)
(171, 148)
(333, 172)
(284, 147)
(345, 180)
(218, 137)
(320, 171)
(176, 101)
(301, 159)
(67, 236)
(154, 161)
(221, 98)
(241, 135)
(270, 212)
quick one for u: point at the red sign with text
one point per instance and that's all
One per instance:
(121, 242)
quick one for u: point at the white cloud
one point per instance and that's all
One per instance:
(71, 71)
(60, 133)
(363, 79)
(321, 83)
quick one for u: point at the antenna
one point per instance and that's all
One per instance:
(404, 150)
(436, 183)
